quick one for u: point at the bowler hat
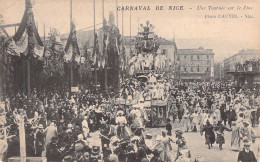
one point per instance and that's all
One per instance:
(178, 132)
(95, 150)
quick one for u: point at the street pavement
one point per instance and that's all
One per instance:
(196, 144)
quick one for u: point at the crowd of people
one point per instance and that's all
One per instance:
(59, 126)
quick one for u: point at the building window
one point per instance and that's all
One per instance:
(178, 58)
(185, 69)
(207, 56)
(198, 69)
(191, 57)
(185, 57)
(191, 69)
(207, 69)
(198, 57)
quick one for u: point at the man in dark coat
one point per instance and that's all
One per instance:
(156, 156)
(232, 115)
(223, 113)
(209, 134)
(30, 149)
(169, 127)
(13, 147)
(39, 143)
(52, 151)
(246, 155)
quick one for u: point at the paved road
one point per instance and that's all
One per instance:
(196, 144)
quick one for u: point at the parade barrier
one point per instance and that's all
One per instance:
(28, 159)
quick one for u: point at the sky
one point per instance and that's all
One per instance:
(189, 27)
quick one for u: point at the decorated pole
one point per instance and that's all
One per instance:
(94, 50)
(27, 25)
(130, 33)
(103, 17)
(31, 45)
(72, 61)
(122, 38)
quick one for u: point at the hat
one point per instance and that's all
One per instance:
(114, 139)
(246, 143)
(78, 146)
(68, 131)
(120, 112)
(178, 132)
(149, 136)
(70, 125)
(67, 158)
(113, 157)
(40, 126)
(95, 150)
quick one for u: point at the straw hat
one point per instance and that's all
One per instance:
(78, 146)
(95, 150)
(120, 112)
(135, 138)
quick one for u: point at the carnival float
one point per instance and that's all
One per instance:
(147, 89)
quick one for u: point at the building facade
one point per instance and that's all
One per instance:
(218, 71)
(241, 57)
(195, 64)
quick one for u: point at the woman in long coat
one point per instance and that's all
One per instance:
(235, 136)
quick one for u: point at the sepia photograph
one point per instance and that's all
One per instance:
(129, 81)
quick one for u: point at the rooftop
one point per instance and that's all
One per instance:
(199, 50)
(245, 52)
